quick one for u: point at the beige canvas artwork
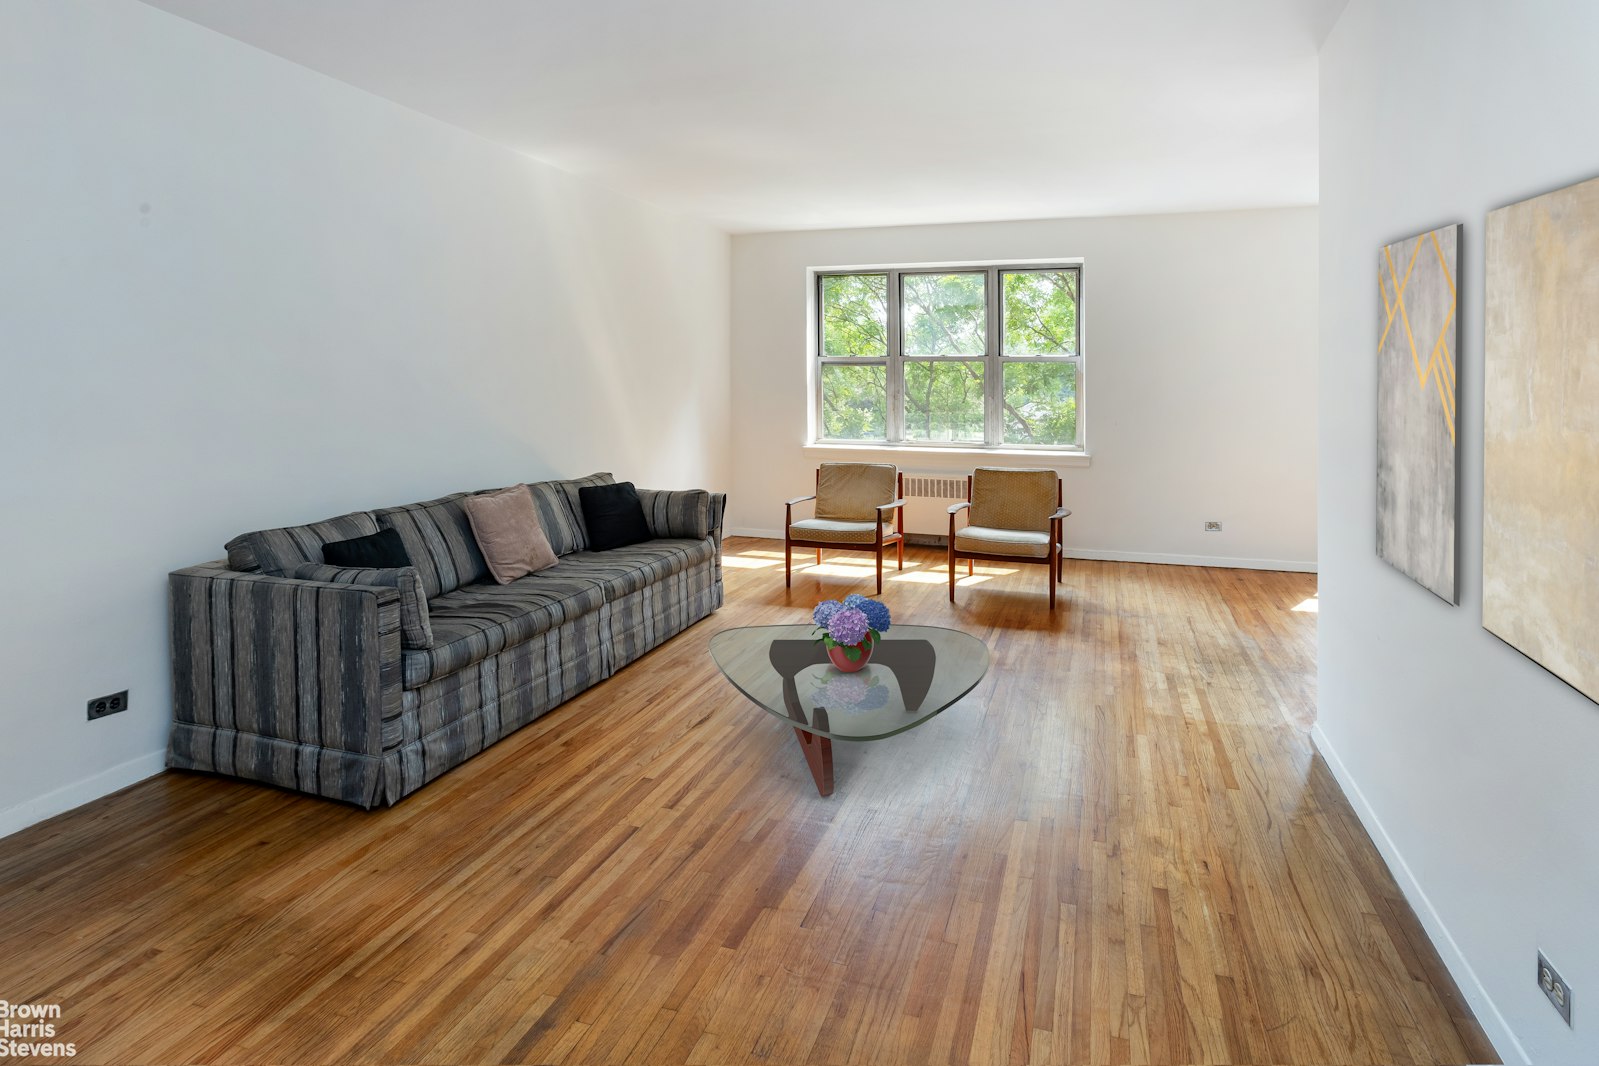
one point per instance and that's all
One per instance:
(1540, 552)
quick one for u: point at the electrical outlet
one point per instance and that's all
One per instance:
(112, 704)
(1554, 986)
(1212, 527)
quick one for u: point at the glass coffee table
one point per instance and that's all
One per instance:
(915, 672)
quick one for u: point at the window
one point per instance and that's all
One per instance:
(958, 356)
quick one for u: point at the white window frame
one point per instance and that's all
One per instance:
(993, 358)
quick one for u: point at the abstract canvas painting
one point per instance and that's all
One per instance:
(1416, 408)
(1540, 537)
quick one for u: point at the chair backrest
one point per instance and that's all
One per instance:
(852, 492)
(1005, 498)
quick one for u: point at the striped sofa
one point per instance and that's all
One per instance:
(323, 687)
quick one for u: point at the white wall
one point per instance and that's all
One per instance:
(1472, 767)
(236, 294)
(1199, 337)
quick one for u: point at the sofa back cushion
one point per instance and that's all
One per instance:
(438, 538)
(561, 511)
(276, 552)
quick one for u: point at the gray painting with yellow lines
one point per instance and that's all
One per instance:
(1416, 395)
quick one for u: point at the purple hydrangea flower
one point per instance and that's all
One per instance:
(847, 626)
(825, 610)
(876, 613)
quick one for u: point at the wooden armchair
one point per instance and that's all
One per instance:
(853, 504)
(1014, 516)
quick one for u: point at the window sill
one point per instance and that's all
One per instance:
(1049, 458)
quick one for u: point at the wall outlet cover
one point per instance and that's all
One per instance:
(106, 705)
(1554, 986)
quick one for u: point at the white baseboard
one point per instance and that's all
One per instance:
(759, 534)
(1295, 565)
(31, 812)
(1482, 1005)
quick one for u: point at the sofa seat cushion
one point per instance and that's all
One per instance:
(477, 621)
(833, 531)
(986, 540)
(623, 571)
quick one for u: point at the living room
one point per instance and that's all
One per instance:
(1220, 783)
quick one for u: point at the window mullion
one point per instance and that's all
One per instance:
(993, 372)
(894, 423)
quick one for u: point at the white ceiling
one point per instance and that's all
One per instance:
(782, 114)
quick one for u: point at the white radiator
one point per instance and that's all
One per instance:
(935, 486)
(928, 496)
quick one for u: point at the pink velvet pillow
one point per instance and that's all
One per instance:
(508, 533)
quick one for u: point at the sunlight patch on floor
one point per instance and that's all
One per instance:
(832, 569)
(1310, 605)
(862, 567)
(941, 577)
(743, 562)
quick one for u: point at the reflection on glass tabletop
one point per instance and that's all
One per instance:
(915, 672)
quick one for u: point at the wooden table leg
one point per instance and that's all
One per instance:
(819, 755)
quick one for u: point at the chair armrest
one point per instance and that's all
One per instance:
(894, 506)
(954, 510)
(1060, 512)
(788, 511)
(313, 664)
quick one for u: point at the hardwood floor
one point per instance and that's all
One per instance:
(1119, 849)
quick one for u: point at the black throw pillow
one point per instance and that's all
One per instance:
(614, 516)
(383, 550)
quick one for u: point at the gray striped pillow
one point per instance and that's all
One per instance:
(677, 512)
(416, 630)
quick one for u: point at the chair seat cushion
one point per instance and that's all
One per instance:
(833, 531)
(986, 540)
(477, 621)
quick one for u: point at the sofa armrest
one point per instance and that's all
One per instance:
(677, 512)
(309, 663)
(718, 510)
